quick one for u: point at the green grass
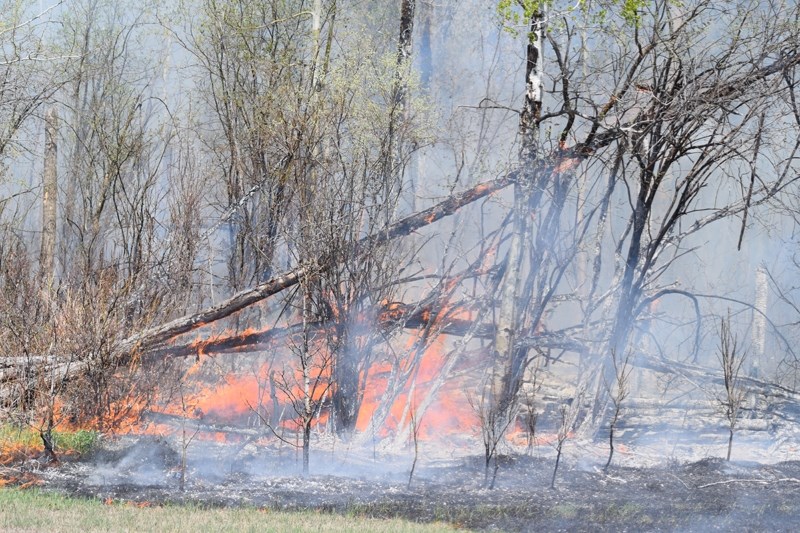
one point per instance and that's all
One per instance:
(34, 510)
(79, 442)
(566, 510)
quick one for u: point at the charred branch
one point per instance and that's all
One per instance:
(247, 342)
(197, 424)
(396, 315)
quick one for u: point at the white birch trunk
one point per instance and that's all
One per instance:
(508, 313)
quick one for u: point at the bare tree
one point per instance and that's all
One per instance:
(415, 436)
(31, 70)
(661, 141)
(619, 393)
(245, 53)
(306, 386)
(505, 381)
(567, 413)
(493, 425)
(49, 201)
(731, 358)
(109, 249)
(186, 438)
(529, 392)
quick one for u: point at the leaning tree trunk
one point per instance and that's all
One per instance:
(290, 278)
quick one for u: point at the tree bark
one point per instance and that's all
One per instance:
(404, 44)
(49, 199)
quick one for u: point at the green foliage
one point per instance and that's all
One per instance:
(516, 13)
(629, 9)
(14, 436)
(80, 441)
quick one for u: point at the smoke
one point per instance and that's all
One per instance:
(469, 91)
(137, 461)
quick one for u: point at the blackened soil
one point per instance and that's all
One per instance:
(708, 495)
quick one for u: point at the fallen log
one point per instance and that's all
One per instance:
(249, 342)
(197, 424)
(415, 317)
(16, 361)
(30, 378)
(714, 376)
(756, 481)
(411, 318)
(243, 299)
(30, 369)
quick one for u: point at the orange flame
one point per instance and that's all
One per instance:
(239, 397)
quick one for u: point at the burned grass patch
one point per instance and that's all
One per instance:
(696, 496)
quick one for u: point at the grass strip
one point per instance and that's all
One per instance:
(36, 510)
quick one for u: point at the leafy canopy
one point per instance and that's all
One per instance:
(514, 13)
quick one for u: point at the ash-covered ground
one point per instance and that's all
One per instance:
(646, 491)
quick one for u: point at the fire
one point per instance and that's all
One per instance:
(141, 505)
(449, 414)
(266, 388)
(520, 438)
(392, 312)
(13, 452)
(449, 411)
(235, 397)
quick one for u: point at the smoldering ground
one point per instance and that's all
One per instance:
(448, 484)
